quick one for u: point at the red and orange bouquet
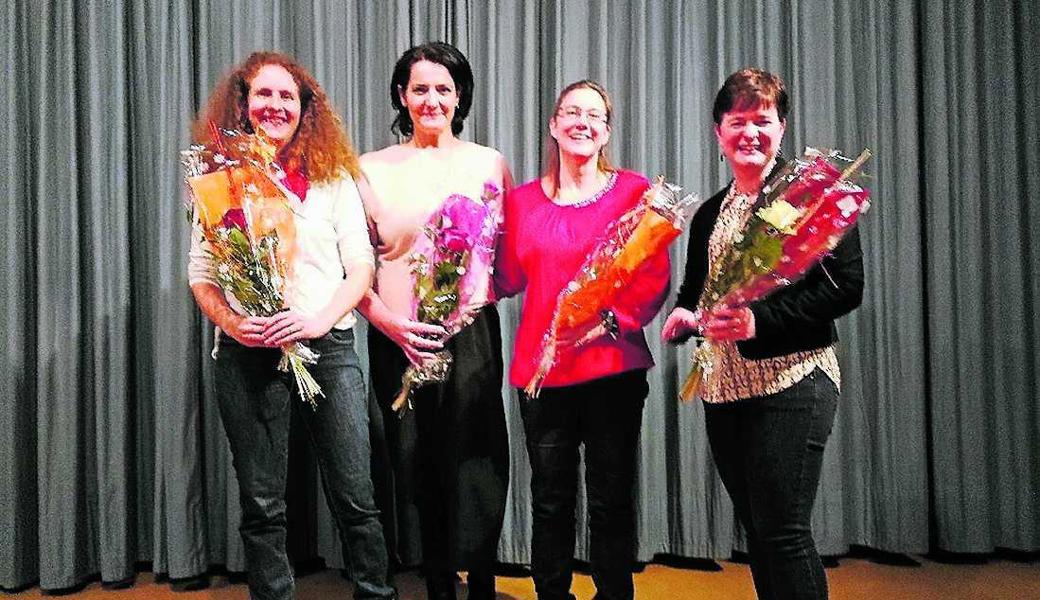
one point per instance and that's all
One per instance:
(249, 232)
(804, 210)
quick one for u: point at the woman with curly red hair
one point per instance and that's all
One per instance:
(332, 268)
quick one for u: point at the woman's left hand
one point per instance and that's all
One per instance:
(290, 326)
(680, 325)
(729, 324)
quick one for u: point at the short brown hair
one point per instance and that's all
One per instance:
(751, 88)
(440, 53)
(320, 147)
(552, 149)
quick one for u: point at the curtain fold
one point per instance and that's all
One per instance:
(111, 448)
(980, 161)
(19, 516)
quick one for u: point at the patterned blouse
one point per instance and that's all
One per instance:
(734, 377)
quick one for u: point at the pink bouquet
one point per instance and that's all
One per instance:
(451, 262)
(803, 212)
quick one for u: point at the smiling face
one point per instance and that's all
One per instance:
(274, 103)
(430, 97)
(750, 137)
(580, 126)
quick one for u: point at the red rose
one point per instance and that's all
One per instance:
(456, 241)
(234, 218)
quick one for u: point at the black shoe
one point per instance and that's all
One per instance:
(481, 585)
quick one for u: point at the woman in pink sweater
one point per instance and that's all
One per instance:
(594, 394)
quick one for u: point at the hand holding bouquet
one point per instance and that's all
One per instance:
(451, 261)
(247, 222)
(629, 241)
(801, 215)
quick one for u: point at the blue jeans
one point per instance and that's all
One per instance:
(605, 414)
(255, 403)
(769, 453)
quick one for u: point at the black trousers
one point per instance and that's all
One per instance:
(450, 455)
(769, 453)
(605, 415)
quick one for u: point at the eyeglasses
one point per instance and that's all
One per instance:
(574, 113)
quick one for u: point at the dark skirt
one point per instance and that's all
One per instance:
(450, 455)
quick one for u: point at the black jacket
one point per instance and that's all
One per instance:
(795, 318)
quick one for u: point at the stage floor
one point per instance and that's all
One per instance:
(853, 579)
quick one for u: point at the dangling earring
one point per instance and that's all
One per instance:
(722, 157)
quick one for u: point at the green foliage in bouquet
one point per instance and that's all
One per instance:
(437, 287)
(247, 272)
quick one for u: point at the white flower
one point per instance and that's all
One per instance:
(780, 215)
(848, 206)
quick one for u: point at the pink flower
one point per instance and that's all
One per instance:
(490, 191)
(463, 215)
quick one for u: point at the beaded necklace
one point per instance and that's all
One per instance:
(611, 180)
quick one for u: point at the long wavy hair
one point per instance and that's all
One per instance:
(552, 148)
(320, 147)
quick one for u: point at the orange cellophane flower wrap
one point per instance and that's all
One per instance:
(640, 233)
(266, 208)
(652, 232)
(213, 197)
(269, 213)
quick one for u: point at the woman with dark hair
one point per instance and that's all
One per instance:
(770, 399)
(594, 393)
(331, 269)
(450, 455)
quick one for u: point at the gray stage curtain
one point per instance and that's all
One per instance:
(980, 168)
(111, 451)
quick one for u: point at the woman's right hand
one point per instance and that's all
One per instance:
(679, 325)
(418, 340)
(248, 331)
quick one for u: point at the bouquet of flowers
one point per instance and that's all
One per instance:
(245, 217)
(801, 215)
(450, 262)
(628, 242)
